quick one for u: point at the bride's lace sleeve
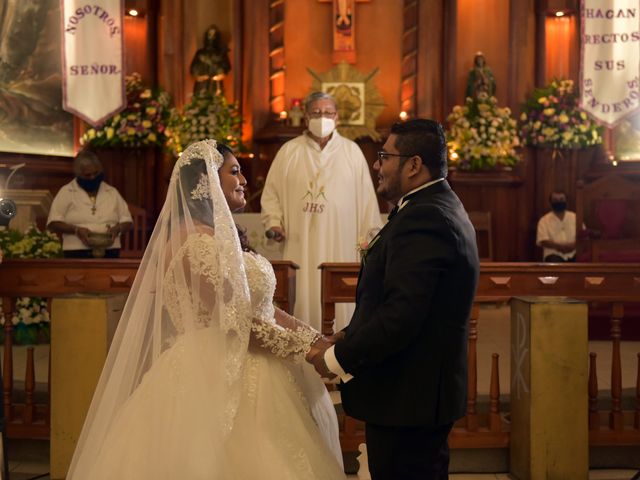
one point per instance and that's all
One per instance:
(273, 329)
(287, 337)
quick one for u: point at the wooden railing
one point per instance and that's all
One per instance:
(607, 283)
(27, 417)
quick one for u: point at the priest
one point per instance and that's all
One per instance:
(319, 200)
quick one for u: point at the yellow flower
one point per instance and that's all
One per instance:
(523, 117)
(146, 94)
(151, 110)
(542, 100)
(549, 111)
(548, 132)
(146, 124)
(91, 133)
(563, 118)
(109, 133)
(567, 136)
(131, 131)
(151, 137)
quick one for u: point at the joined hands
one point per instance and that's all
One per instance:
(315, 356)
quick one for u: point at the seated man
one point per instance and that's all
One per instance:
(557, 231)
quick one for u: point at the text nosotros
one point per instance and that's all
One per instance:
(88, 10)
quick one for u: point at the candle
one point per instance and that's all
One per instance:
(283, 115)
(403, 116)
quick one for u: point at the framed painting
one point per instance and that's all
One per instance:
(31, 117)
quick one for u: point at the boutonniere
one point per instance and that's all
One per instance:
(364, 246)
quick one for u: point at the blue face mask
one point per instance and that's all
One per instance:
(91, 185)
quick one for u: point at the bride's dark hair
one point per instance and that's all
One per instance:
(201, 210)
(242, 232)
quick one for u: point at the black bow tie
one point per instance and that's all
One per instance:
(393, 211)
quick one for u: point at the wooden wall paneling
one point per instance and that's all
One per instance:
(483, 26)
(171, 58)
(527, 218)
(522, 48)
(498, 193)
(237, 52)
(255, 65)
(450, 60)
(276, 56)
(409, 69)
(430, 95)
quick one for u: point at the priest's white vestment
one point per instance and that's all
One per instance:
(325, 201)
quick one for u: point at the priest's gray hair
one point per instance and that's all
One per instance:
(86, 158)
(315, 96)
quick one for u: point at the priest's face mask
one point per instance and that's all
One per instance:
(389, 167)
(233, 183)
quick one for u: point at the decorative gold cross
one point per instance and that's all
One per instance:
(344, 30)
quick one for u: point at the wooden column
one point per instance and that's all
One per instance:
(549, 376)
(83, 327)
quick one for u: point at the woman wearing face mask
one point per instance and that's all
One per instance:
(88, 204)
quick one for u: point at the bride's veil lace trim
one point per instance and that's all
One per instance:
(194, 218)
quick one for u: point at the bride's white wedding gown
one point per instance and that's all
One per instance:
(285, 427)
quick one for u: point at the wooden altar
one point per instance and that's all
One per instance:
(33, 207)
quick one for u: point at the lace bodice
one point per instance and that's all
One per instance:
(194, 305)
(262, 285)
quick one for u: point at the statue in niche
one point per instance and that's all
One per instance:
(210, 64)
(480, 78)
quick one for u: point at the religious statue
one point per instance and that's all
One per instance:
(480, 78)
(210, 63)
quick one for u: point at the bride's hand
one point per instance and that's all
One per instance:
(318, 348)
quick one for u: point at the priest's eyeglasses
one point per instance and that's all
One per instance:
(318, 114)
(385, 155)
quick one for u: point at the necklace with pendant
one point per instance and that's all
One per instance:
(93, 199)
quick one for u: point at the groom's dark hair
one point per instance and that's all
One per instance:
(426, 139)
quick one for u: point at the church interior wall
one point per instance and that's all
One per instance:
(474, 21)
(524, 47)
(378, 26)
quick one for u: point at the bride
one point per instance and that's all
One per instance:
(205, 379)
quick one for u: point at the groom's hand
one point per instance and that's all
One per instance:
(336, 337)
(321, 367)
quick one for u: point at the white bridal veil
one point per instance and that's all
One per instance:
(177, 303)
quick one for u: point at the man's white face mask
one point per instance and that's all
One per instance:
(322, 127)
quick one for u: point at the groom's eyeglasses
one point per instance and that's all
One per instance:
(385, 155)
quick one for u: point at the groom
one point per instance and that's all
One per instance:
(403, 357)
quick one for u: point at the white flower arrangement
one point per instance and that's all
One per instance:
(30, 311)
(482, 135)
(207, 115)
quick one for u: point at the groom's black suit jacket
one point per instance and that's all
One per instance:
(406, 344)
